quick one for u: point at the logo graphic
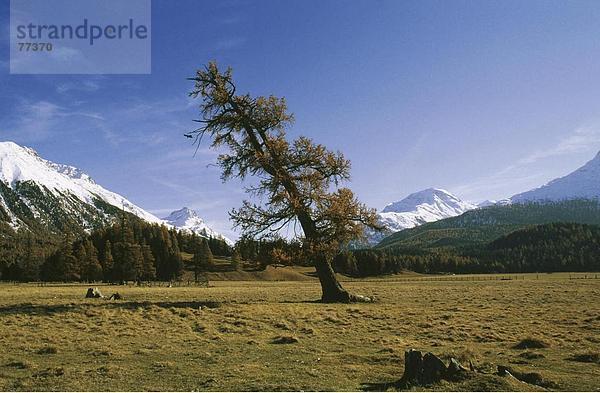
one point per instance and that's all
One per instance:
(80, 37)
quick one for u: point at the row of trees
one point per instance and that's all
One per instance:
(364, 263)
(128, 251)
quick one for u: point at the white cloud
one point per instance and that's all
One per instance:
(37, 121)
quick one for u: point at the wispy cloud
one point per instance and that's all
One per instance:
(146, 124)
(40, 120)
(84, 86)
(531, 170)
(583, 139)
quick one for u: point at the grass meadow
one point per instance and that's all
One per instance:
(272, 335)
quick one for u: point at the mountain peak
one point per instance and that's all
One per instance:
(8, 145)
(21, 163)
(182, 215)
(189, 220)
(431, 204)
(429, 196)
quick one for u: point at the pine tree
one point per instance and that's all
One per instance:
(148, 268)
(128, 261)
(160, 247)
(108, 262)
(199, 257)
(81, 257)
(176, 266)
(207, 255)
(92, 270)
(31, 260)
(62, 265)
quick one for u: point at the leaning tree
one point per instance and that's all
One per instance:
(297, 183)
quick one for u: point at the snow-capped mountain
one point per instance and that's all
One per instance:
(188, 220)
(583, 183)
(35, 190)
(429, 205)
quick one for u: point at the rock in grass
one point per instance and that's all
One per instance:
(531, 355)
(115, 296)
(284, 340)
(47, 351)
(93, 293)
(363, 299)
(531, 343)
(21, 365)
(586, 357)
(530, 378)
(454, 368)
(50, 372)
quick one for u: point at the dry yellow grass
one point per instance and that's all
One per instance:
(223, 337)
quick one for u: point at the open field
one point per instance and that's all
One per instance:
(224, 337)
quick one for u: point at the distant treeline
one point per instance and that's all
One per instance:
(132, 250)
(551, 247)
(138, 251)
(271, 251)
(557, 247)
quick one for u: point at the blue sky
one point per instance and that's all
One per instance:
(485, 99)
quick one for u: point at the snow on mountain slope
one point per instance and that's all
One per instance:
(583, 183)
(494, 202)
(189, 220)
(416, 209)
(21, 164)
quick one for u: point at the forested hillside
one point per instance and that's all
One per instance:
(477, 227)
(555, 247)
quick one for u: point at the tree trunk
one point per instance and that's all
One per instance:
(333, 292)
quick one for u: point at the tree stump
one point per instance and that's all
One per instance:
(420, 370)
(413, 366)
(434, 369)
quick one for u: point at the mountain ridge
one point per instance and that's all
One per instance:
(582, 183)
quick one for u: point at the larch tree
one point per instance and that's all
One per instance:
(298, 182)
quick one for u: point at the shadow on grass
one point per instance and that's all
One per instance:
(43, 310)
(377, 386)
